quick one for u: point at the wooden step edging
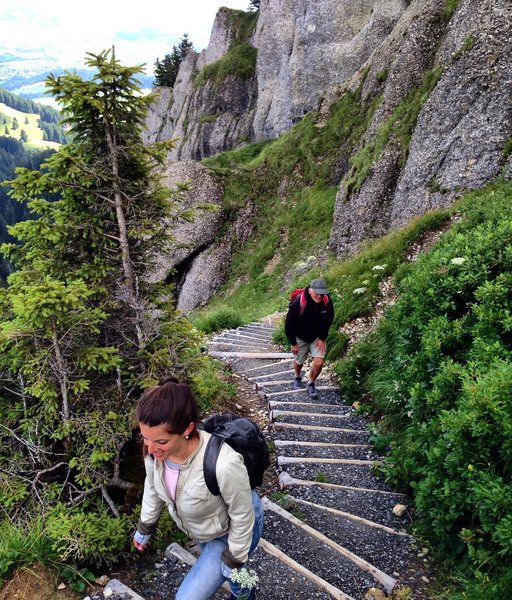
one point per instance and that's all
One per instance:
(385, 580)
(297, 460)
(258, 368)
(350, 516)
(318, 444)
(285, 480)
(318, 581)
(219, 354)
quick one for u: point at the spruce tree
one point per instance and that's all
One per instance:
(83, 330)
(166, 71)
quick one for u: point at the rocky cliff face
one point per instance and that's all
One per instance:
(458, 140)
(206, 115)
(306, 46)
(438, 71)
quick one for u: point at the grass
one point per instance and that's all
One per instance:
(240, 60)
(27, 546)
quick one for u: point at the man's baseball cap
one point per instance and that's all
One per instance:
(318, 286)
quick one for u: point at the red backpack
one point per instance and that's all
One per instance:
(301, 291)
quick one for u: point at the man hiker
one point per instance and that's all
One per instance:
(309, 317)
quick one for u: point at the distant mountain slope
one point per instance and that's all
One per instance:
(42, 135)
(30, 122)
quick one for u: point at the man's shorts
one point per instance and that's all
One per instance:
(304, 348)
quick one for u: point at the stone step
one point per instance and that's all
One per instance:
(242, 339)
(375, 505)
(255, 354)
(259, 368)
(256, 329)
(315, 404)
(300, 399)
(349, 474)
(322, 460)
(246, 349)
(302, 409)
(286, 384)
(335, 421)
(288, 372)
(307, 449)
(287, 481)
(325, 393)
(338, 435)
(318, 552)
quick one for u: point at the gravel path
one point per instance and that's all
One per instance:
(335, 520)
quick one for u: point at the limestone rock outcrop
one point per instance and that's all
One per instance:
(306, 46)
(457, 141)
(207, 117)
(189, 236)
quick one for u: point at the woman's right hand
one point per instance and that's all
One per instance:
(139, 546)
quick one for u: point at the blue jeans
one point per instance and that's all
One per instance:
(206, 577)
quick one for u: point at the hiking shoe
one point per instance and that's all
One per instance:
(297, 383)
(312, 393)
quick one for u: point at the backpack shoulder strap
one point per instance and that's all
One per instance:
(210, 461)
(302, 302)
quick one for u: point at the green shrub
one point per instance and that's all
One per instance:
(279, 337)
(222, 318)
(88, 535)
(211, 390)
(439, 372)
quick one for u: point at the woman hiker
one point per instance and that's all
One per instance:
(226, 527)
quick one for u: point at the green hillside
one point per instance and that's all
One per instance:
(24, 127)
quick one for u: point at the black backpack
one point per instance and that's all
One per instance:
(245, 437)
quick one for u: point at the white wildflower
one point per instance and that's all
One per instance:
(458, 260)
(247, 578)
(359, 291)
(379, 267)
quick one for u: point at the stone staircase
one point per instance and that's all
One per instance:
(335, 530)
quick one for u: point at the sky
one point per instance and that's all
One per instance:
(141, 32)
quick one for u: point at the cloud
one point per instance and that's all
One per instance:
(140, 32)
